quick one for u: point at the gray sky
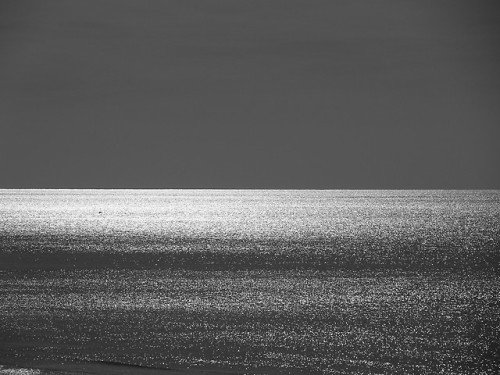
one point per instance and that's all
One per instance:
(249, 94)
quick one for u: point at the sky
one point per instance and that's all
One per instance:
(348, 94)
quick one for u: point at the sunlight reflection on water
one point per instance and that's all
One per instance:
(290, 281)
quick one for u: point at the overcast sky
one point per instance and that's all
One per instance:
(249, 94)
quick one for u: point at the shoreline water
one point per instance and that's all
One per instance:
(104, 367)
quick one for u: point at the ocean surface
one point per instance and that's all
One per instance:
(256, 281)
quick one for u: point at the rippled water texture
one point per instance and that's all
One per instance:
(261, 281)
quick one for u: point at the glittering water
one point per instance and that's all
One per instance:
(266, 281)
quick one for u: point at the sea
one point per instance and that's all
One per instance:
(252, 281)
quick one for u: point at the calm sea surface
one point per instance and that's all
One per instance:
(272, 282)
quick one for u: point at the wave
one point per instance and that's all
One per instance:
(123, 364)
(322, 254)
